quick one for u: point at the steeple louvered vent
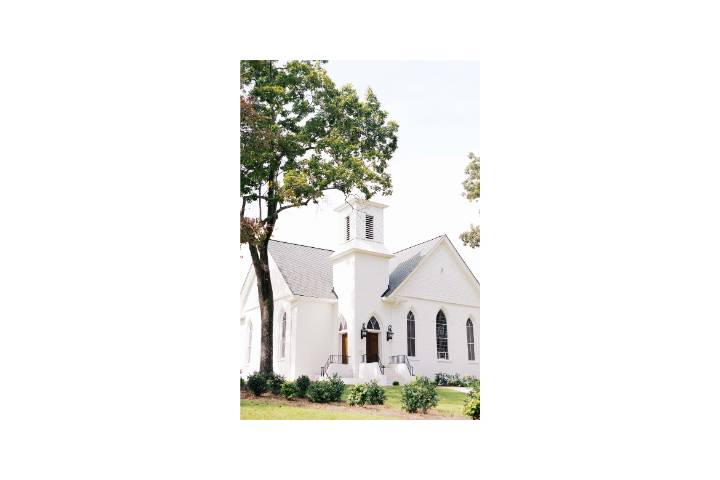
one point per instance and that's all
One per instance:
(369, 227)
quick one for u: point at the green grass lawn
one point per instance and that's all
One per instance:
(270, 408)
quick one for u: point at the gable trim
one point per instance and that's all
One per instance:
(417, 267)
(463, 266)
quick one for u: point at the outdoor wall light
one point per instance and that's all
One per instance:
(389, 333)
(363, 332)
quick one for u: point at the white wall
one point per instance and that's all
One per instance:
(360, 279)
(316, 336)
(441, 282)
(251, 312)
(442, 277)
(425, 361)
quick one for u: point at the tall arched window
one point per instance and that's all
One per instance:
(410, 334)
(249, 345)
(441, 335)
(373, 324)
(470, 339)
(283, 329)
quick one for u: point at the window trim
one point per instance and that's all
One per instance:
(438, 338)
(248, 354)
(410, 317)
(470, 334)
(283, 335)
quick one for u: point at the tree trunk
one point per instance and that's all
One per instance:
(265, 300)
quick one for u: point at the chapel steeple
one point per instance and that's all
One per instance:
(361, 227)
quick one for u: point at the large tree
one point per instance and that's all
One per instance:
(471, 187)
(300, 136)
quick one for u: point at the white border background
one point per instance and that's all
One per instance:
(119, 263)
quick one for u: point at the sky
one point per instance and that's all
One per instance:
(437, 106)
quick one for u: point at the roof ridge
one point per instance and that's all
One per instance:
(301, 245)
(411, 246)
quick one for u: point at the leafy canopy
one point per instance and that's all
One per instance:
(301, 135)
(471, 185)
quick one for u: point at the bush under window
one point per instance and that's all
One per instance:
(257, 383)
(325, 391)
(274, 383)
(289, 390)
(302, 383)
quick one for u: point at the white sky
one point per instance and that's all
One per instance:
(437, 106)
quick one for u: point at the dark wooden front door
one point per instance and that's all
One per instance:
(344, 343)
(371, 347)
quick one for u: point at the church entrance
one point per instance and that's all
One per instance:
(371, 347)
(344, 348)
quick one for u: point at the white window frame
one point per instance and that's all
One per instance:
(410, 317)
(249, 345)
(470, 332)
(283, 335)
(442, 355)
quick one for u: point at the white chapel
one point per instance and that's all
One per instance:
(363, 312)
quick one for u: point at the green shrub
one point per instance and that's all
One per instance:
(455, 380)
(442, 379)
(316, 392)
(274, 383)
(396, 383)
(366, 393)
(356, 394)
(337, 387)
(257, 383)
(302, 383)
(420, 394)
(374, 394)
(472, 404)
(243, 385)
(470, 381)
(289, 390)
(326, 391)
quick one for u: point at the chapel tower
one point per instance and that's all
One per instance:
(360, 275)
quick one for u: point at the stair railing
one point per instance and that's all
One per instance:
(331, 359)
(403, 359)
(363, 359)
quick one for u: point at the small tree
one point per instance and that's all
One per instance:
(471, 185)
(300, 136)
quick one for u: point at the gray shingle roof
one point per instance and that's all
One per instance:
(405, 261)
(306, 270)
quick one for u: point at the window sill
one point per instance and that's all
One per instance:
(444, 360)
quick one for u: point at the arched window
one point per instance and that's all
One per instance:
(249, 345)
(373, 324)
(343, 325)
(283, 329)
(441, 335)
(470, 339)
(410, 334)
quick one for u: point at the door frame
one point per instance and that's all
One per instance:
(344, 348)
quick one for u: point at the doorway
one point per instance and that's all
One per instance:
(371, 347)
(344, 348)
